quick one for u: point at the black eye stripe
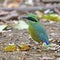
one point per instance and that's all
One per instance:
(32, 19)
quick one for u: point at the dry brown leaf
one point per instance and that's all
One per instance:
(13, 5)
(24, 47)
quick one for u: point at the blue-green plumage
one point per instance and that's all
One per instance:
(36, 29)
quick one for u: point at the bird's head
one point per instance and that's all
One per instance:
(31, 17)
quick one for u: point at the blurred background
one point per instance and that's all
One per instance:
(14, 29)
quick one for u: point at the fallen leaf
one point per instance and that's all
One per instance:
(10, 48)
(2, 27)
(24, 47)
(21, 25)
(39, 14)
(52, 17)
(14, 4)
(29, 2)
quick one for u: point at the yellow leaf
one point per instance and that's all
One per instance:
(52, 17)
(10, 48)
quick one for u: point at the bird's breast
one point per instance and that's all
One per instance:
(33, 33)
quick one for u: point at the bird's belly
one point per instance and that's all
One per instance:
(34, 34)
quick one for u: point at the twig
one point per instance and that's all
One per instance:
(31, 8)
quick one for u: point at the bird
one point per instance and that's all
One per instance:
(36, 29)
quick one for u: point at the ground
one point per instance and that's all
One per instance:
(22, 36)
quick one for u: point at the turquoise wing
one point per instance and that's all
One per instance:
(44, 38)
(41, 31)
